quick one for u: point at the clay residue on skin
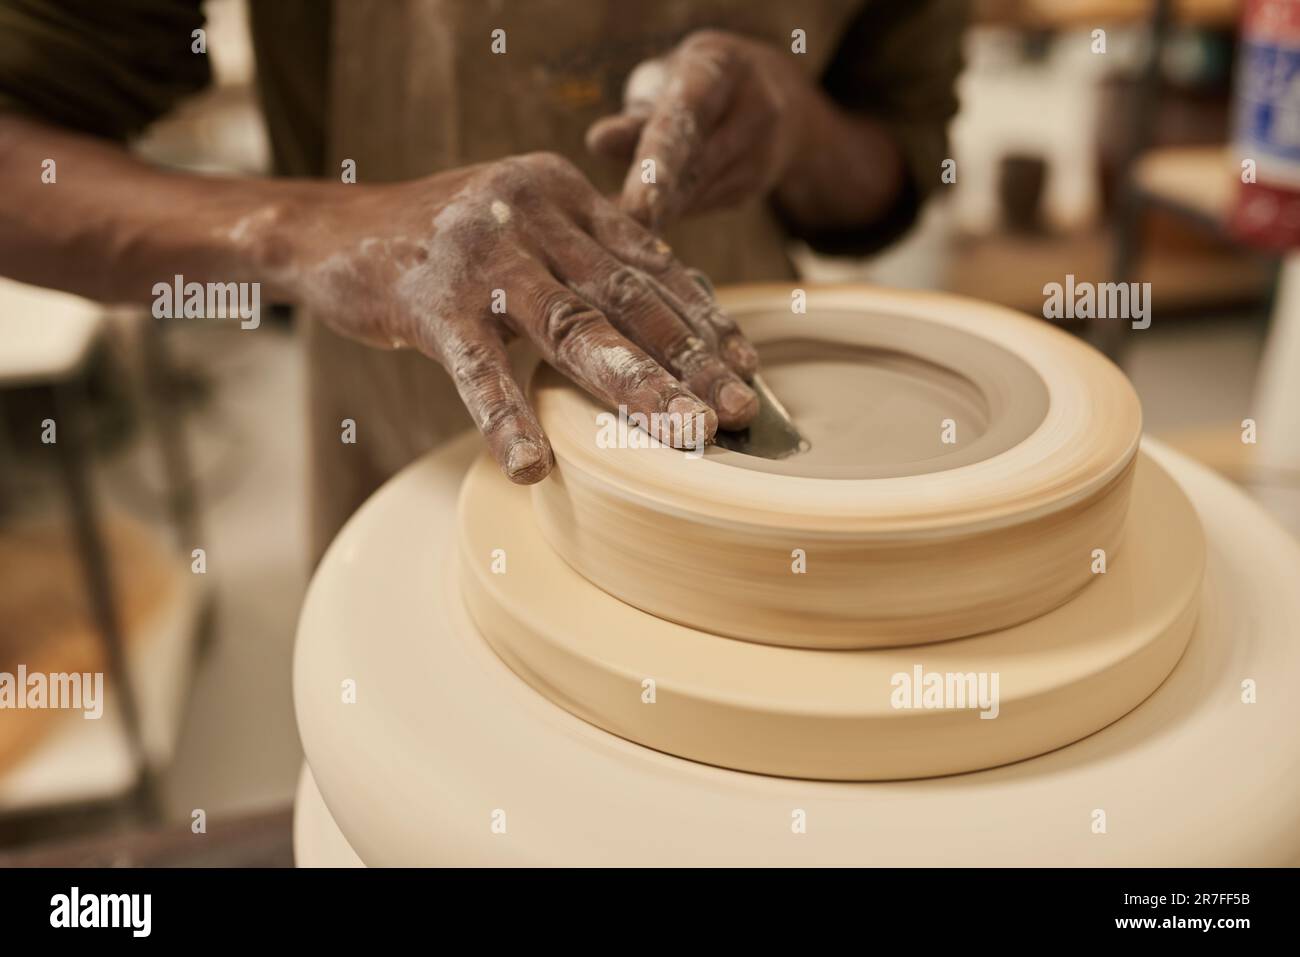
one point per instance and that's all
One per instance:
(416, 268)
(645, 84)
(256, 233)
(248, 227)
(714, 61)
(619, 362)
(681, 139)
(693, 357)
(616, 291)
(466, 362)
(649, 83)
(500, 212)
(427, 283)
(461, 211)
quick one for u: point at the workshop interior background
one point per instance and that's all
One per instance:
(197, 427)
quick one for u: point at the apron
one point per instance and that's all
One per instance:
(415, 89)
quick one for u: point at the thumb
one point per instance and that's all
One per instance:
(615, 137)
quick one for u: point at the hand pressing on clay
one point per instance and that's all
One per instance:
(456, 264)
(722, 119)
(452, 265)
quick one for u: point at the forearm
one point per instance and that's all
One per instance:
(847, 171)
(110, 226)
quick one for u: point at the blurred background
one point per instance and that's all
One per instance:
(1109, 165)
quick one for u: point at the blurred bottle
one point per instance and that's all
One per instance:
(1266, 125)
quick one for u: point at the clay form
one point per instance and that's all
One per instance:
(316, 838)
(904, 538)
(442, 724)
(442, 567)
(832, 714)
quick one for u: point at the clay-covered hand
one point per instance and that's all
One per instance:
(456, 264)
(715, 122)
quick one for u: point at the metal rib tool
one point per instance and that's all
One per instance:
(772, 434)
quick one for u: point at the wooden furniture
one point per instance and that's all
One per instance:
(49, 337)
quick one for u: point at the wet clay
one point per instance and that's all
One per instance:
(832, 715)
(878, 413)
(883, 533)
(510, 778)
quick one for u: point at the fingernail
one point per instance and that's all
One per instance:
(737, 402)
(740, 355)
(684, 405)
(524, 456)
(690, 412)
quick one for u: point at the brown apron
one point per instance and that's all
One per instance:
(416, 88)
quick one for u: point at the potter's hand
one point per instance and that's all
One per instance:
(720, 117)
(451, 265)
(723, 119)
(456, 264)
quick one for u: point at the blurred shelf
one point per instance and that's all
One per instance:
(219, 131)
(69, 759)
(1068, 14)
(1012, 270)
(47, 335)
(1198, 180)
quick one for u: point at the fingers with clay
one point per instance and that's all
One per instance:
(615, 137)
(647, 313)
(576, 337)
(679, 101)
(687, 291)
(710, 125)
(602, 298)
(477, 362)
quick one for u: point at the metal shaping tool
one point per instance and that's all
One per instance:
(772, 434)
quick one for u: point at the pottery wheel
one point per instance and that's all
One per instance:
(444, 743)
(840, 715)
(653, 659)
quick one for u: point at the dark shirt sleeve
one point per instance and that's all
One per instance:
(898, 62)
(105, 67)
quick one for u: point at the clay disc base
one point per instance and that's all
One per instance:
(839, 715)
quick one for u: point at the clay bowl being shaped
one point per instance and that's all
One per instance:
(969, 469)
